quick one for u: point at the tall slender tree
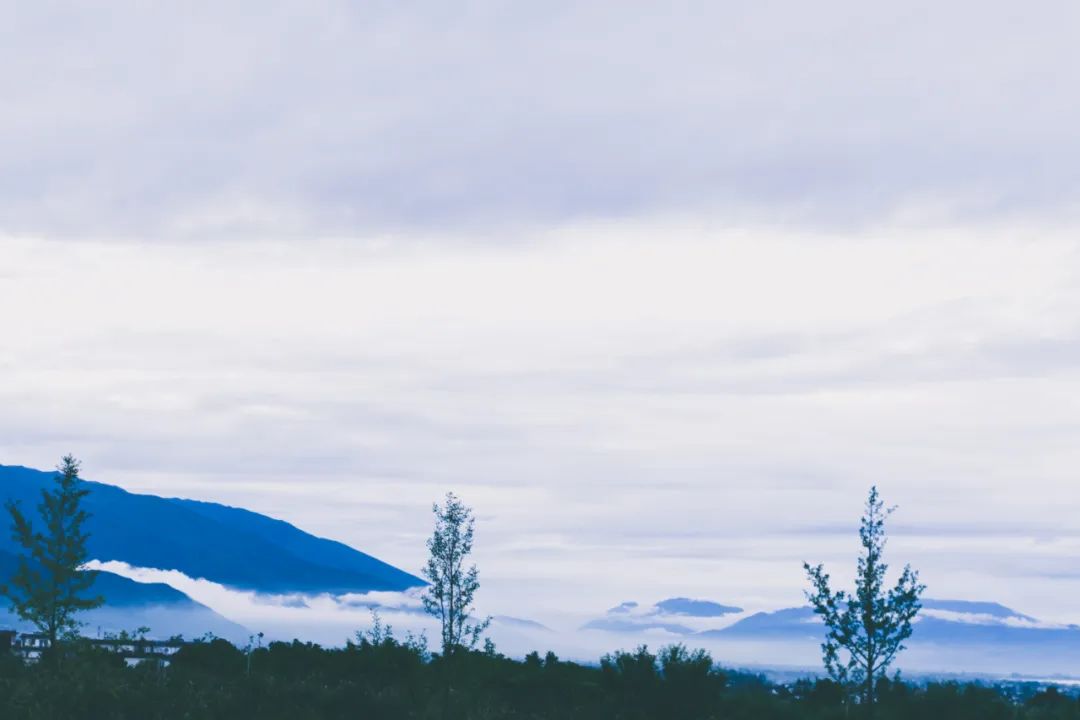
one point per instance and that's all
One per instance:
(452, 587)
(865, 630)
(50, 585)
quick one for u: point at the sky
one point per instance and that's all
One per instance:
(660, 291)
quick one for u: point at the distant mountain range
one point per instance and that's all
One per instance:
(948, 634)
(941, 621)
(230, 546)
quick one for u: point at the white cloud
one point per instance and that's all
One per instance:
(333, 619)
(988, 619)
(634, 410)
(325, 618)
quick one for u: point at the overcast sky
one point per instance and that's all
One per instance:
(659, 288)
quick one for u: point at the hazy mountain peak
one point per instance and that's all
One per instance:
(695, 608)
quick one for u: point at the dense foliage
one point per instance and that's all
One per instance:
(384, 678)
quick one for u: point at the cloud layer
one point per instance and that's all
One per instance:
(338, 118)
(630, 419)
(660, 292)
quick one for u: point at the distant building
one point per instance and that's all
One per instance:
(134, 650)
(29, 645)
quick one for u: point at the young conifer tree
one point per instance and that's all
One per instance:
(865, 630)
(49, 587)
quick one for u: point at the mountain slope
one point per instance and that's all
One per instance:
(789, 623)
(231, 546)
(296, 542)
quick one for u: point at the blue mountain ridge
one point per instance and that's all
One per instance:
(942, 622)
(231, 546)
(948, 636)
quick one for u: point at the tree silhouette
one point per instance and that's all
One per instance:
(449, 596)
(48, 587)
(865, 629)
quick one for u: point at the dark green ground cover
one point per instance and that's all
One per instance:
(395, 680)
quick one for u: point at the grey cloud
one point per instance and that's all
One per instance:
(800, 364)
(327, 118)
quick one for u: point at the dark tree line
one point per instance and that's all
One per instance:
(392, 680)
